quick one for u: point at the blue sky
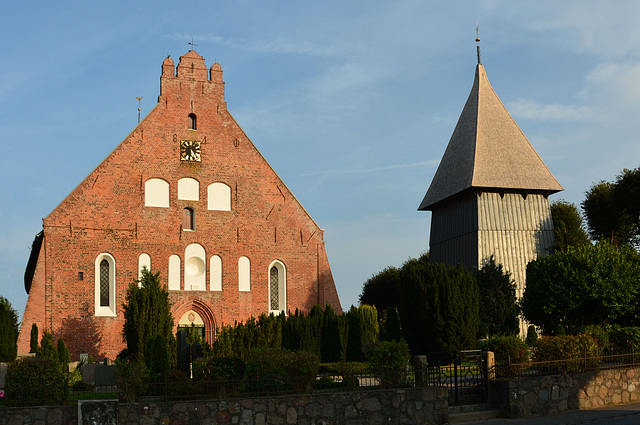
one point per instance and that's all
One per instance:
(352, 102)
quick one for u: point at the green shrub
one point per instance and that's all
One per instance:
(388, 360)
(508, 349)
(157, 358)
(625, 340)
(130, 379)
(47, 347)
(532, 335)
(567, 349)
(302, 367)
(219, 375)
(33, 341)
(34, 380)
(63, 355)
(266, 370)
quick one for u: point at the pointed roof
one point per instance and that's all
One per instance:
(488, 150)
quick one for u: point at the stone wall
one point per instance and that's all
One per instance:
(542, 395)
(395, 406)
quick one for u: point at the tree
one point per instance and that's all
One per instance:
(33, 342)
(586, 285)
(382, 290)
(47, 346)
(605, 219)
(147, 313)
(8, 331)
(498, 309)
(568, 229)
(391, 329)
(612, 209)
(63, 354)
(438, 306)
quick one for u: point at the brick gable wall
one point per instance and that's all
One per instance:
(106, 213)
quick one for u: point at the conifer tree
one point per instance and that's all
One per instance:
(147, 313)
(47, 347)
(438, 307)
(333, 330)
(8, 331)
(354, 336)
(33, 342)
(63, 354)
(391, 325)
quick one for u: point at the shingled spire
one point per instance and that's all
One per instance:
(488, 151)
(489, 196)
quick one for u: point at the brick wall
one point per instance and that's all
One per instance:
(106, 214)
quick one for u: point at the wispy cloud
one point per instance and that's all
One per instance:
(372, 170)
(275, 45)
(528, 109)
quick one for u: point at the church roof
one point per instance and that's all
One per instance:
(488, 150)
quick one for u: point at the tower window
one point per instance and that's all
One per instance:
(192, 122)
(188, 219)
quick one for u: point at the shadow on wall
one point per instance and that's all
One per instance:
(81, 335)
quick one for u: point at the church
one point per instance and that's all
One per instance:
(188, 195)
(490, 193)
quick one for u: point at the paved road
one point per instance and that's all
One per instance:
(616, 415)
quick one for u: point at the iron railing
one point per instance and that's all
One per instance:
(510, 370)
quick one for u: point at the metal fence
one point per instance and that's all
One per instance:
(193, 389)
(583, 364)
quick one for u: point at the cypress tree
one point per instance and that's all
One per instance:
(354, 336)
(391, 325)
(47, 347)
(438, 307)
(331, 338)
(312, 332)
(147, 313)
(8, 331)
(33, 342)
(63, 354)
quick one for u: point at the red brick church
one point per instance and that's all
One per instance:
(186, 194)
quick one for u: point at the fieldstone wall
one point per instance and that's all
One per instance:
(550, 394)
(426, 405)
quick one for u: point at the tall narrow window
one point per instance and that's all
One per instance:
(188, 219)
(192, 122)
(104, 283)
(244, 274)
(277, 287)
(273, 288)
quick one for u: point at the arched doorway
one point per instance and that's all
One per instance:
(199, 314)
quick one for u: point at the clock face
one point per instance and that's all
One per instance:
(190, 150)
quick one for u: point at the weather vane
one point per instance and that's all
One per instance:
(478, 41)
(192, 44)
(139, 99)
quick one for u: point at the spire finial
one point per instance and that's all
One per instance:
(478, 41)
(192, 44)
(139, 99)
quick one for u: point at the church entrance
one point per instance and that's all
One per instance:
(193, 325)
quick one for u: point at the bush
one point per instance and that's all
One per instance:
(532, 335)
(34, 380)
(508, 349)
(624, 340)
(266, 370)
(219, 375)
(388, 359)
(568, 349)
(303, 368)
(130, 379)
